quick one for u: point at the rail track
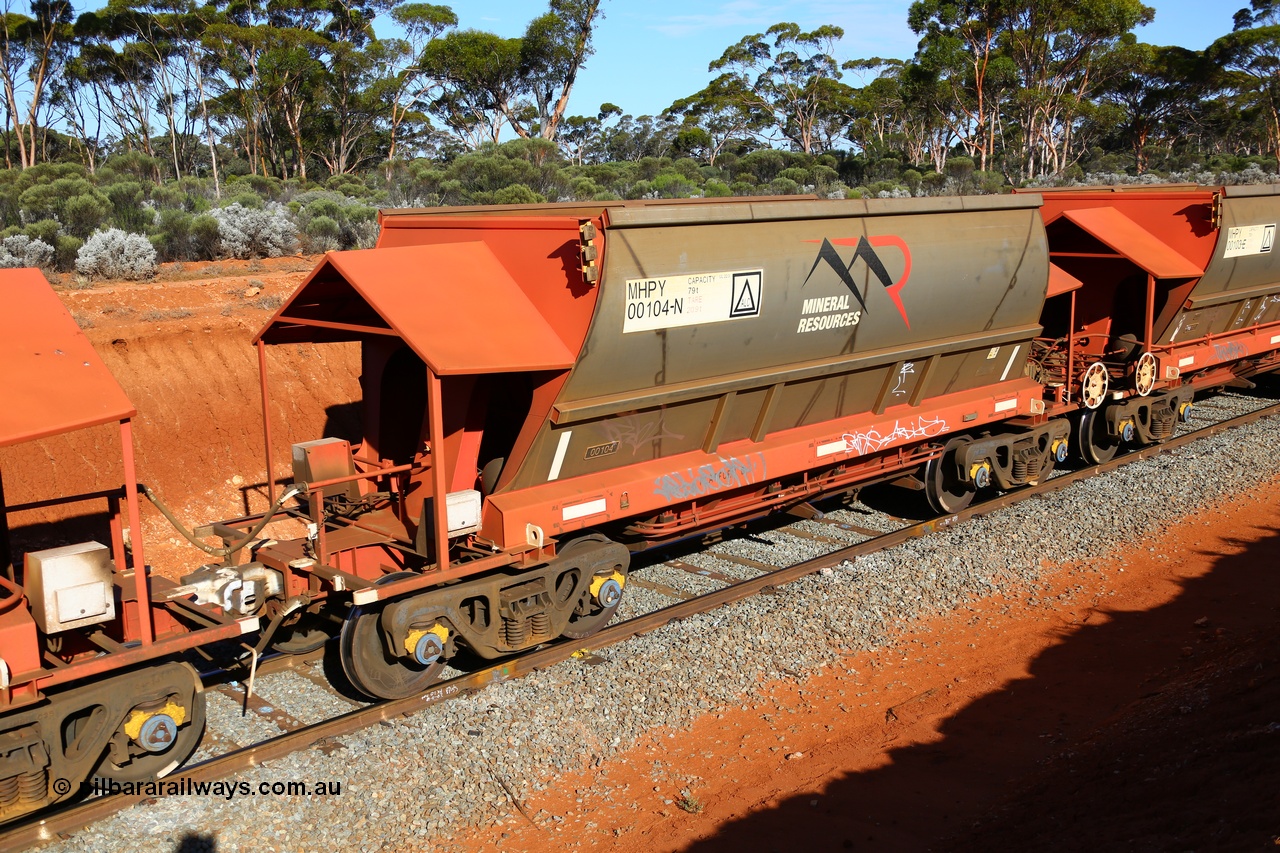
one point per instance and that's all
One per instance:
(326, 733)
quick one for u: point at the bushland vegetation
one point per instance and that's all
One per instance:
(170, 130)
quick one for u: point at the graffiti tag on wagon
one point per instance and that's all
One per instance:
(870, 440)
(1229, 351)
(635, 431)
(713, 477)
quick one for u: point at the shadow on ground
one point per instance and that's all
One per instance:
(1155, 730)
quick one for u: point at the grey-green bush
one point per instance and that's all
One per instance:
(22, 251)
(250, 233)
(116, 254)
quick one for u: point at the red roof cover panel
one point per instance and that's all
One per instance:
(454, 304)
(1061, 281)
(1134, 242)
(51, 379)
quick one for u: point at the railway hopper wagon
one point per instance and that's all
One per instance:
(1167, 290)
(92, 672)
(547, 389)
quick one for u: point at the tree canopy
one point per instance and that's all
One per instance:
(306, 90)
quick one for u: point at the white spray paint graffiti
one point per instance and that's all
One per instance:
(728, 474)
(907, 369)
(635, 431)
(871, 440)
(1229, 351)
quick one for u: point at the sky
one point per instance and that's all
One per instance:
(650, 53)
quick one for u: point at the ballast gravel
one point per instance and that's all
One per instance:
(415, 782)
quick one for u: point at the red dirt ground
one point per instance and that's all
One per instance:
(1129, 705)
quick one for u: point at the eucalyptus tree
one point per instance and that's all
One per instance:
(960, 70)
(584, 136)
(149, 52)
(724, 113)
(788, 76)
(405, 86)
(1157, 84)
(1059, 49)
(554, 48)
(348, 127)
(487, 82)
(118, 73)
(1249, 57)
(479, 83)
(34, 46)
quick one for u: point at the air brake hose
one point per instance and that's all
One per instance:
(234, 546)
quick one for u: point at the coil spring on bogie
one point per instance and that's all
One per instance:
(540, 623)
(1162, 424)
(1021, 467)
(513, 631)
(33, 787)
(9, 791)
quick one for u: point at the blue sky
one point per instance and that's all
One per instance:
(651, 52)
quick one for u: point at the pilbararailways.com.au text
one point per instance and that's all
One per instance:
(226, 790)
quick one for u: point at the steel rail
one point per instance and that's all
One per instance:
(24, 834)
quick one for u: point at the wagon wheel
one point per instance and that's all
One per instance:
(943, 488)
(145, 765)
(367, 662)
(1094, 384)
(1091, 440)
(591, 613)
(1144, 374)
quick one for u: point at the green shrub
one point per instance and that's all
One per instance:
(687, 167)
(797, 176)
(84, 214)
(323, 233)
(517, 194)
(204, 236)
(960, 168)
(990, 183)
(824, 177)
(669, 184)
(585, 188)
(46, 230)
(47, 200)
(130, 164)
(126, 206)
(264, 187)
(783, 186)
(65, 250)
(250, 200)
(933, 181)
(325, 207)
(351, 185)
(173, 239)
(716, 189)
(168, 195)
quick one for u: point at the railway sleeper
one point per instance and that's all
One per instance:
(131, 726)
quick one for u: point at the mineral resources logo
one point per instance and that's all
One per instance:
(865, 249)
